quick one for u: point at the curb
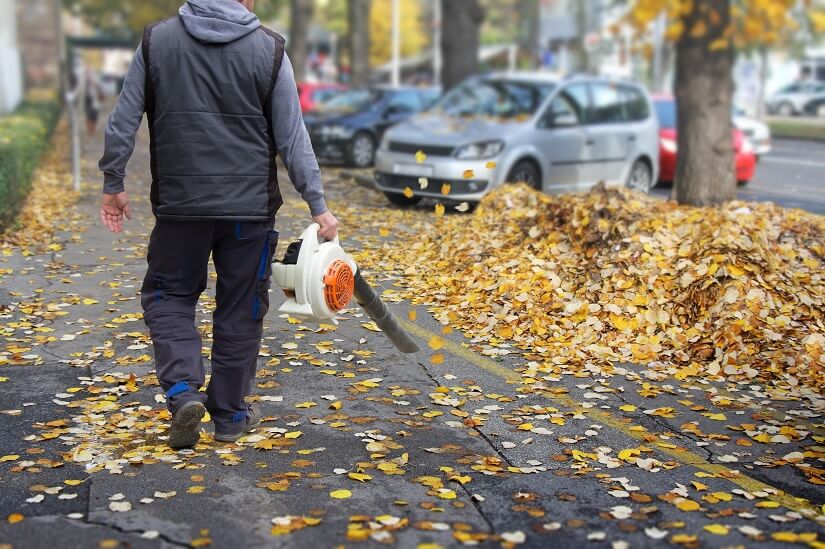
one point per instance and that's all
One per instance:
(363, 180)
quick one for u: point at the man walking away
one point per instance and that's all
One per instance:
(220, 97)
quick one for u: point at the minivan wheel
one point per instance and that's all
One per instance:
(641, 177)
(525, 171)
(362, 150)
(400, 200)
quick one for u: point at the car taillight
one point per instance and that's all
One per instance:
(668, 144)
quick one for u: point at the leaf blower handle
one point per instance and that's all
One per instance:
(383, 318)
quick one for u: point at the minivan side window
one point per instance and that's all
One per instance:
(571, 104)
(608, 104)
(635, 104)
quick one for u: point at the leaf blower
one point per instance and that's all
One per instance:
(320, 278)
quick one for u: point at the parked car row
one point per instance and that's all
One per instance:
(555, 134)
(348, 127)
(797, 98)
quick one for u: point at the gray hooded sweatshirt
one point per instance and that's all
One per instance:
(217, 21)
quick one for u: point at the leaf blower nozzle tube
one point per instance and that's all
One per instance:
(383, 318)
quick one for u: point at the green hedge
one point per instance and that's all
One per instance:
(24, 136)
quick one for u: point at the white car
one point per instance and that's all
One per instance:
(556, 135)
(791, 99)
(758, 133)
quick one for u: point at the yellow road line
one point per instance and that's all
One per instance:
(682, 455)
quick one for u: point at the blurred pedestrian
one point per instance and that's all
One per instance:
(221, 100)
(92, 97)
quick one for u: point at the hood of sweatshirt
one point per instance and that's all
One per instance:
(217, 21)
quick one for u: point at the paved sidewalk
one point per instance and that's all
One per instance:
(362, 445)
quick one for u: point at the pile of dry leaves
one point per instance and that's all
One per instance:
(611, 275)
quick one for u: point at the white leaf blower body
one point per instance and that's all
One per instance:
(321, 281)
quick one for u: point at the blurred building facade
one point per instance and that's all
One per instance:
(577, 36)
(11, 76)
(40, 39)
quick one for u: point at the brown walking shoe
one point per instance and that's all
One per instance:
(185, 431)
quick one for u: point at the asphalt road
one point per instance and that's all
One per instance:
(791, 175)
(430, 452)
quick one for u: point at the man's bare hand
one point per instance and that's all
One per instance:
(112, 209)
(328, 223)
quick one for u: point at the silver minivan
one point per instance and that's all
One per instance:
(552, 133)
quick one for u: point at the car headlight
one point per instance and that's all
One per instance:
(479, 151)
(335, 131)
(669, 145)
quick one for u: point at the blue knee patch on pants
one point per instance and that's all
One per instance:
(177, 388)
(239, 416)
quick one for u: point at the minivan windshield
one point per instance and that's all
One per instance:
(493, 97)
(352, 101)
(666, 112)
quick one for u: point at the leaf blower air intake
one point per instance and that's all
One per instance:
(319, 279)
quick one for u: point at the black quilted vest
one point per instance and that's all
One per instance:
(208, 106)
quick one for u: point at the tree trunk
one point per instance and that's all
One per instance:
(460, 40)
(358, 13)
(704, 93)
(300, 17)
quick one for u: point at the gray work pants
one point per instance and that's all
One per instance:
(178, 258)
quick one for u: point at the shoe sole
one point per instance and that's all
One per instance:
(184, 431)
(233, 437)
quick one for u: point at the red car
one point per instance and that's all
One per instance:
(666, 111)
(312, 94)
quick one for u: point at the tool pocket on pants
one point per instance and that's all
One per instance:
(260, 302)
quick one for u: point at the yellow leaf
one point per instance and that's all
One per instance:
(787, 537)
(293, 434)
(408, 192)
(195, 489)
(687, 505)
(629, 454)
(439, 209)
(435, 343)
(722, 496)
(72, 482)
(461, 479)
(716, 417)
(719, 44)
(767, 504)
(14, 518)
(469, 174)
(90, 301)
(420, 157)
(627, 408)
(437, 358)
(360, 477)
(335, 405)
(411, 315)
(445, 493)
(718, 529)
(340, 494)
(490, 165)
(445, 189)
(9, 457)
(306, 405)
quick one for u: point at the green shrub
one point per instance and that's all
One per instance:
(24, 135)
